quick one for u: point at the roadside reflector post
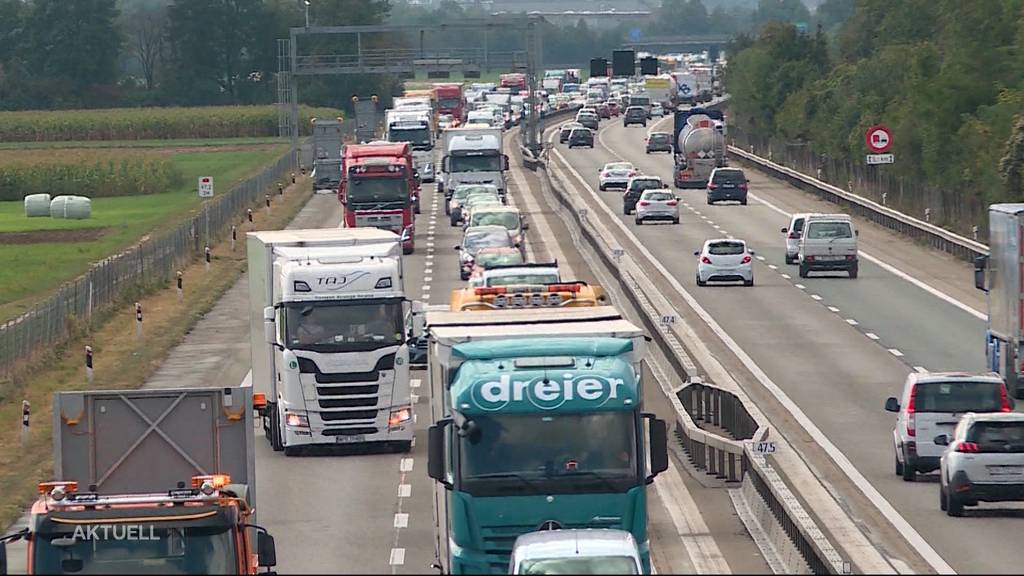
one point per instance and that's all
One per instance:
(26, 409)
(206, 252)
(927, 214)
(885, 195)
(302, 169)
(267, 196)
(88, 364)
(138, 319)
(248, 213)
(974, 232)
(293, 177)
(234, 237)
(280, 189)
(179, 282)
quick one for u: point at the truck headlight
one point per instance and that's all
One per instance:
(296, 420)
(397, 417)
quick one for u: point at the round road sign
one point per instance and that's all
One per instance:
(878, 138)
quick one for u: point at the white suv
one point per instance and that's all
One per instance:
(930, 405)
(793, 233)
(828, 243)
(983, 461)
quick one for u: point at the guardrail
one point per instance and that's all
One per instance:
(719, 456)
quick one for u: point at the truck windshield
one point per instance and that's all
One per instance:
(343, 326)
(490, 163)
(546, 453)
(144, 548)
(379, 189)
(415, 136)
(449, 103)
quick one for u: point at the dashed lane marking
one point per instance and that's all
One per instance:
(405, 465)
(833, 309)
(401, 520)
(414, 383)
(895, 352)
(920, 369)
(800, 286)
(852, 322)
(816, 297)
(773, 267)
(871, 335)
(397, 557)
(404, 490)
(786, 276)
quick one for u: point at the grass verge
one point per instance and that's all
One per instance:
(121, 360)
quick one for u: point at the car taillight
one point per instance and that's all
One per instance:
(911, 411)
(644, 203)
(967, 447)
(604, 174)
(1004, 400)
(746, 260)
(743, 186)
(705, 259)
(712, 186)
(809, 258)
(671, 203)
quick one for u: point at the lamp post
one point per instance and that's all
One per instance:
(306, 2)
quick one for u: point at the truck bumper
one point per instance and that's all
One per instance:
(322, 429)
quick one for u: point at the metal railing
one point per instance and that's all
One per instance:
(710, 405)
(151, 262)
(408, 59)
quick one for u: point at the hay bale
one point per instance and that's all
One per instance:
(37, 205)
(71, 207)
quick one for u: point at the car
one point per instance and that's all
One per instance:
(635, 115)
(614, 108)
(459, 196)
(602, 110)
(588, 120)
(983, 461)
(581, 137)
(657, 204)
(477, 200)
(615, 175)
(725, 259)
(657, 110)
(727, 184)
(506, 216)
(427, 172)
(929, 405)
(477, 237)
(828, 243)
(489, 257)
(659, 142)
(445, 121)
(576, 551)
(635, 188)
(565, 129)
(793, 232)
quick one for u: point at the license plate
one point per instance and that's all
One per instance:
(349, 439)
(1005, 470)
(831, 258)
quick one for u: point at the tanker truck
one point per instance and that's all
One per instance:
(1000, 274)
(698, 146)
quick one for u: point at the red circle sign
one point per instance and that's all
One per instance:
(878, 138)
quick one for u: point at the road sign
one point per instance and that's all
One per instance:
(878, 138)
(635, 34)
(205, 187)
(880, 159)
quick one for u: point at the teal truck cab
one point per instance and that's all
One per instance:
(537, 424)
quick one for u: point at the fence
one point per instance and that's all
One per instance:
(950, 209)
(151, 262)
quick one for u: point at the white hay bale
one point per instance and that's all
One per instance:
(37, 205)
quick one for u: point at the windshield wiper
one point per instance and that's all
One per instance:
(498, 475)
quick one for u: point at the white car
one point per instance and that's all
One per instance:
(576, 551)
(514, 274)
(616, 175)
(657, 204)
(828, 243)
(793, 233)
(657, 110)
(930, 404)
(725, 259)
(983, 461)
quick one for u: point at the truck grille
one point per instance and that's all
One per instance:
(348, 415)
(308, 366)
(346, 390)
(349, 402)
(350, 431)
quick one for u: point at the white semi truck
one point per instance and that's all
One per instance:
(1000, 274)
(330, 324)
(473, 155)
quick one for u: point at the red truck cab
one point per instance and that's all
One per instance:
(515, 81)
(450, 100)
(379, 189)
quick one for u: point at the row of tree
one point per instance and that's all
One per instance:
(946, 76)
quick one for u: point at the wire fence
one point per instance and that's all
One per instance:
(152, 262)
(951, 209)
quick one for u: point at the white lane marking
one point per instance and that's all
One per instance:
(430, 244)
(697, 212)
(800, 286)
(856, 477)
(895, 352)
(404, 490)
(898, 273)
(816, 297)
(786, 276)
(415, 398)
(414, 383)
(533, 209)
(426, 287)
(405, 465)
(833, 309)
(430, 257)
(397, 557)
(773, 267)
(921, 369)
(852, 322)
(428, 278)
(761, 258)
(401, 520)
(693, 531)
(871, 335)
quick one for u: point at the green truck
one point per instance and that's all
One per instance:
(537, 424)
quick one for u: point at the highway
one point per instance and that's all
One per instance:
(836, 347)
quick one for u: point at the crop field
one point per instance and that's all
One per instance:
(149, 123)
(95, 173)
(41, 253)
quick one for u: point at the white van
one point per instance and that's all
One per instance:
(828, 243)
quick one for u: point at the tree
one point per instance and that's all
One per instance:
(74, 43)
(145, 26)
(780, 11)
(1011, 166)
(832, 13)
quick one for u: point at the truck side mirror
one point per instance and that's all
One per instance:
(266, 550)
(269, 326)
(445, 164)
(658, 437)
(436, 452)
(980, 264)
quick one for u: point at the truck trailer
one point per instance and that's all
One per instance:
(154, 481)
(698, 146)
(326, 174)
(1000, 275)
(329, 329)
(537, 423)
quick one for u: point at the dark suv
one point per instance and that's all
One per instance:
(634, 115)
(581, 137)
(636, 188)
(589, 120)
(659, 142)
(727, 184)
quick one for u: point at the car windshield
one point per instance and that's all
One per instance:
(728, 177)
(151, 548)
(961, 396)
(488, 163)
(618, 166)
(645, 184)
(659, 196)
(487, 259)
(387, 189)
(579, 565)
(490, 239)
(726, 248)
(509, 220)
(580, 133)
(343, 326)
(596, 452)
(828, 230)
(1000, 437)
(513, 279)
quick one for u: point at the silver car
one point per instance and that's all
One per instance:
(478, 237)
(615, 175)
(983, 461)
(793, 233)
(725, 259)
(657, 204)
(576, 551)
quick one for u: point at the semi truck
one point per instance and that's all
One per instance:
(1000, 274)
(326, 174)
(514, 81)
(537, 424)
(473, 155)
(685, 88)
(328, 322)
(412, 126)
(450, 100)
(659, 88)
(698, 146)
(379, 189)
(149, 481)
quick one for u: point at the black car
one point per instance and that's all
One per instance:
(581, 137)
(636, 188)
(727, 184)
(589, 120)
(635, 115)
(659, 142)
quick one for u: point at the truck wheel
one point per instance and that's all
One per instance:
(416, 207)
(909, 473)
(853, 272)
(274, 434)
(803, 271)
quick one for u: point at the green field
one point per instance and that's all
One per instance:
(31, 270)
(186, 142)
